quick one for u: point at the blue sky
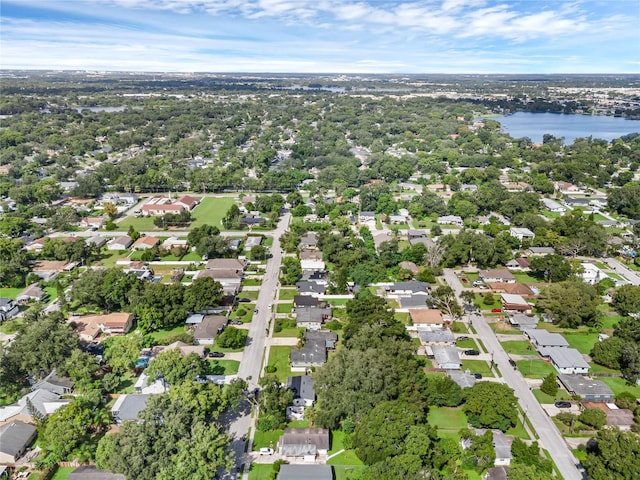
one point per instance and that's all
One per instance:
(358, 36)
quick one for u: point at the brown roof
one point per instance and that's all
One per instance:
(425, 316)
(497, 273)
(512, 288)
(49, 266)
(187, 200)
(225, 264)
(412, 267)
(147, 241)
(117, 320)
(210, 326)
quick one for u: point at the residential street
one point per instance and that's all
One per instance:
(621, 269)
(550, 437)
(252, 358)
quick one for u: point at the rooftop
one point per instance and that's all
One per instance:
(585, 386)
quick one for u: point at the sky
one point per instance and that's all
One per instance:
(322, 36)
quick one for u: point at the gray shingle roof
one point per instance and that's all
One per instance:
(127, 407)
(302, 385)
(15, 437)
(306, 472)
(585, 386)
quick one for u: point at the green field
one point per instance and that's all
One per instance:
(266, 439)
(260, 471)
(289, 332)
(161, 335)
(62, 473)
(468, 343)
(211, 210)
(284, 307)
(11, 293)
(583, 342)
(287, 293)
(618, 384)
(250, 294)
(544, 398)
(522, 277)
(519, 347)
(447, 420)
(225, 367)
(610, 321)
(141, 224)
(279, 357)
(535, 368)
(346, 472)
(338, 302)
(477, 366)
(251, 282)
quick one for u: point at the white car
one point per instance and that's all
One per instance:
(266, 451)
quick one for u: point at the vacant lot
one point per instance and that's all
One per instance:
(583, 342)
(447, 420)
(279, 358)
(287, 293)
(211, 210)
(519, 347)
(141, 224)
(477, 366)
(535, 368)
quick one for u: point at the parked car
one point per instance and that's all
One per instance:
(266, 451)
(563, 404)
(462, 338)
(477, 375)
(216, 354)
(496, 310)
(512, 362)
(236, 322)
(255, 310)
(471, 352)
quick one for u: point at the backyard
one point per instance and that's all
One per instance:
(449, 421)
(211, 210)
(535, 368)
(279, 358)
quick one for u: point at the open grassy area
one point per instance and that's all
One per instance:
(279, 358)
(544, 398)
(63, 473)
(610, 321)
(468, 343)
(504, 328)
(224, 367)
(250, 294)
(141, 224)
(535, 368)
(346, 472)
(402, 317)
(259, 471)
(287, 293)
(284, 307)
(447, 420)
(161, 335)
(522, 277)
(11, 293)
(518, 347)
(338, 302)
(251, 282)
(618, 384)
(519, 431)
(238, 314)
(583, 342)
(290, 332)
(11, 326)
(211, 210)
(348, 457)
(477, 366)
(479, 301)
(266, 439)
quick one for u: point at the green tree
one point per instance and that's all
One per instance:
(258, 253)
(626, 300)
(177, 368)
(570, 304)
(550, 385)
(444, 298)
(613, 454)
(608, 352)
(121, 352)
(552, 268)
(594, 417)
(490, 405)
(203, 294)
(232, 337)
(290, 271)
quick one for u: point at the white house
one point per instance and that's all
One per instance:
(566, 360)
(120, 243)
(553, 206)
(591, 274)
(521, 233)
(450, 220)
(446, 357)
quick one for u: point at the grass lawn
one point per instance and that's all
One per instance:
(470, 276)
(618, 384)
(266, 439)
(251, 282)
(346, 472)
(250, 294)
(447, 420)
(279, 357)
(583, 342)
(161, 335)
(224, 367)
(260, 471)
(268, 241)
(477, 366)
(469, 343)
(535, 368)
(347, 457)
(519, 431)
(504, 328)
(402, 317)
(337, 441)
(11, 326)
(284, 307)
(610, 321)
(127, 381)
(338, 302)
(11, 293)
(544, 398)
(63, 473)
(192, 257)
(52, 293)
(479, 301)
(522, 277)
(141, 224)
(248, 312)
(108, 258)
(519, 347)
(291, 332)
(287, 293)
(211, 210)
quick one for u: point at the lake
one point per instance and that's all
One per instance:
(569, 127)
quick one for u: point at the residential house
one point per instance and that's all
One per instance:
(520, 264)
(93, 222)
(226, 264)
(553, 206)
(414, 302)
(511, 302)
(302, 387)
(367, 218)
(98, 241)
(306, 472)
(521, 233)
(427, 242)
(185, 349)
(145, 385)
(48, 269)
(161, 206)
(31, 293)
(304, 442)
(206, 331)
(591, 274)
(588, 389)
(194, 319)
(116, 323)
(15, 438)
(320, 277)
(401, 289)
(542, 338)
(620, 418)
(450, 220)
(523, 321)
(416, 234)
(305, 301)
(127, 407)
(464, 379)
(446, 357)
(436, 336)
(566, 360)
(513, 288)
(502, 447)
(314, 351)
(90, 472)
(41, 402)
(567, 188)
(119, 243)
(380, 238)
(251, 241)
(311, 318)
(310, 255)
(396, 219)
(496, 473)
(499, 275)
(8, 309)
(312, 265)
(145, 243)
(410, 266)
(187, 201)
(174, 242)
(310, 288)
(425, 317)
(54, 384)
(309, 241)
(252, 219)
(539, 251)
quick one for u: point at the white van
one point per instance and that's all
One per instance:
(266, 451)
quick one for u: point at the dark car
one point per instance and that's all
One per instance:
(477, 375)
(563, 404)
(471, 352)
(216, 354)
(462, 338)
(236, 322)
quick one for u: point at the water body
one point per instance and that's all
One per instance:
(569, 127)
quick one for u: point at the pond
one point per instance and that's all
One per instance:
(568, 127)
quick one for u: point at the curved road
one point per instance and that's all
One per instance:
(550, 437)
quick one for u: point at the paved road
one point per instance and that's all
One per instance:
(621, 269)
(550, 437)
(152, 233)
(251, 363)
